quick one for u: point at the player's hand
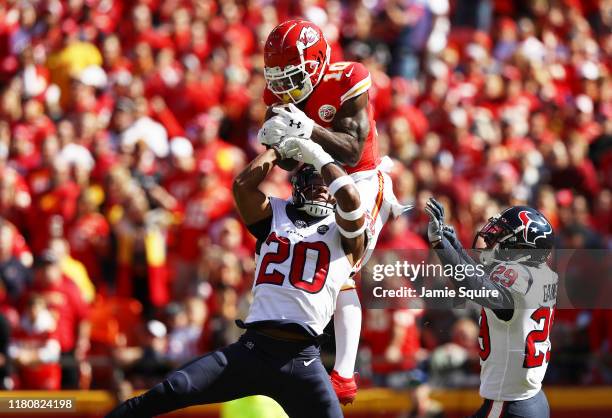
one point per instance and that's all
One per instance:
(345, 388)
(449, 233)
(272, 131)
(287, 148)
(296, 123)
(310, 152)
(436, 220)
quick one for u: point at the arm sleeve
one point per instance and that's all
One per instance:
(452, 239)
(347, 327)
(475, 280)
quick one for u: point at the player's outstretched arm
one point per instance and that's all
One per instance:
(350, 215)
(449, 255)
(253, 205)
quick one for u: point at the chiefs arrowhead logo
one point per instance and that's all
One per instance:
(308, 37)
(531, 233)
(327, 112)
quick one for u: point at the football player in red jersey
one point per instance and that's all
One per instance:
(309, 97)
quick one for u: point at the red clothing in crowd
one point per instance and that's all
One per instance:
(378, 333)
(42, 376)
(201, 209)
(65, 300)
(182, 184)
(85, 237)
(60, 201)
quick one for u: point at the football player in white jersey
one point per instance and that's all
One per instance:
(514, 326)
(307, 250)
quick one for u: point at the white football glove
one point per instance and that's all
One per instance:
(287, 148)
(272, 131)
(309, 152)
(296, 123)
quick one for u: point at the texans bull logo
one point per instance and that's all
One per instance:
(531, 233)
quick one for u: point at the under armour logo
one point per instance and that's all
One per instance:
(250, 345)
(297, 124)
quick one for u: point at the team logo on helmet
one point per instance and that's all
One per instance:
(308, 37)
(531, 233)
(327, 112)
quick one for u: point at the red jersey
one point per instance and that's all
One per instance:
(41, 376)
(60, 201)
(378, 332)
(85, 237)
(342, 81)
(66, 302)
(201, 209)
(182, 184)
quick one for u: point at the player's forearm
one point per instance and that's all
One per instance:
(343, 147)
(252, 204)
(350, 215)
(347, 197)
(452, 240)
(255, 173)
(347, 327)
(475, 278)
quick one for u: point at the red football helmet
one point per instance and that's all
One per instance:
(295, 56)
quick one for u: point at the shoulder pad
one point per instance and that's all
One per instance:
(513, 276)
(349, 78)
(356, 81)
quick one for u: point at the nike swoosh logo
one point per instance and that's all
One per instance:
(348, 75)
(309, 362)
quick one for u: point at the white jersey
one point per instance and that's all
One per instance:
(515, 354)
(300, 271)
(378, 200)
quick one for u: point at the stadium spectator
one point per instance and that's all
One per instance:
(183, 336)
(65, 301)
(14, 276)
(88, 238)
(141, 251)
(392, 336)
(147, 362)
(35, 348)
(456, 364)
(122, 125)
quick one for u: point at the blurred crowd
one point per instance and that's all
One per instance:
(123, 123)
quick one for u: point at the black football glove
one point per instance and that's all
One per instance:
(449, 233)
(436, 220)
